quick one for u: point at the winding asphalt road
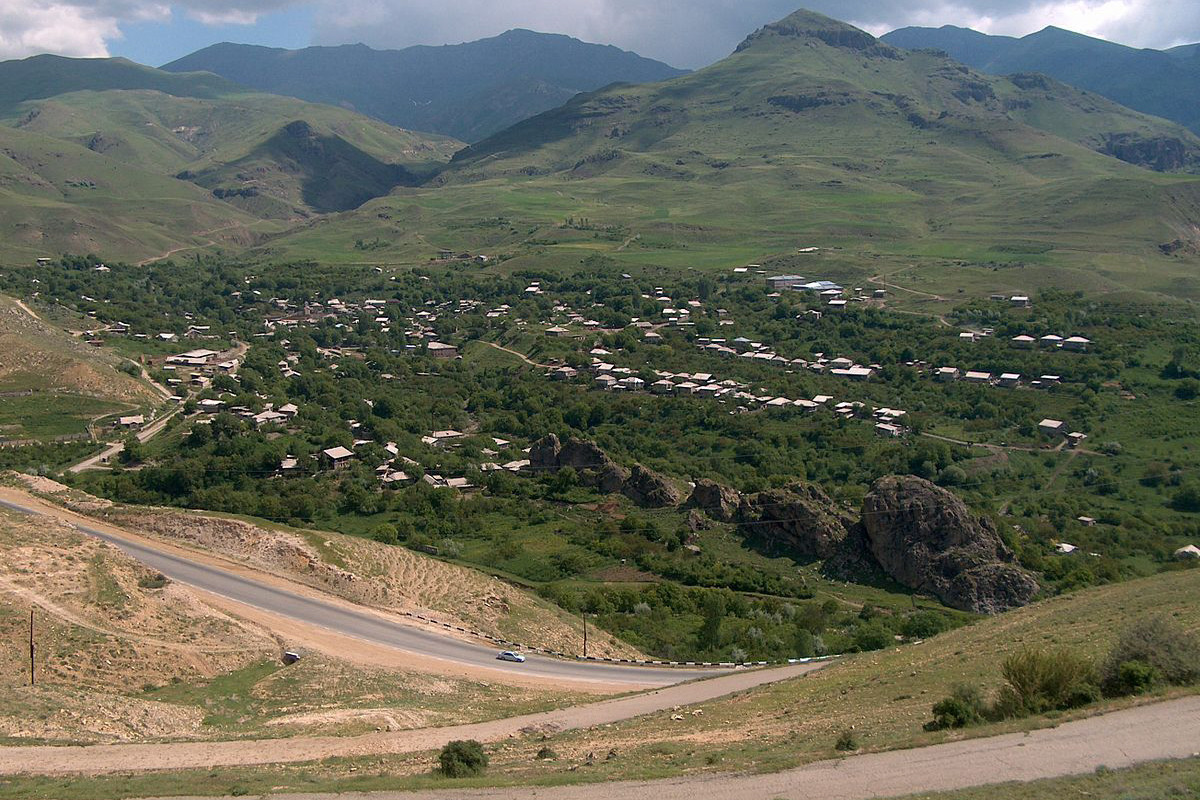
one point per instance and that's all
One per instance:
(371, 627)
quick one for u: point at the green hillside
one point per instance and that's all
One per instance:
(1153, 81)
(813, 133)
(270, 156)
(132, 162)
(58, 196)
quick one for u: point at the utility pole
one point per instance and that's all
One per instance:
(31, 675)
(585, 634)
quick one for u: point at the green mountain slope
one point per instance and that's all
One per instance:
(45, 76)
(239, 145)
(813, 133)
(467, 91)
(1166, 84)
(56, 196)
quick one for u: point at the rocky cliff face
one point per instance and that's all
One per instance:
(924, 537)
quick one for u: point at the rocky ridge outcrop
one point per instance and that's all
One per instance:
(910, 530)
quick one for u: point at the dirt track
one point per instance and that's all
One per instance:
(136, 757)
(1121, 739)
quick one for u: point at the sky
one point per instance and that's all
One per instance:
(685, 33)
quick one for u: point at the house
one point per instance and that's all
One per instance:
(268, 418)
(134, 421)
(778, 282)
(973, 376)
(1019, 301)
(1008, 379)
(290, 465)
(653, 337)
(210, 406)
(442, 350)
(337, 457)
(967, 336)
(1024, 341)
(605, 381)
(1079, 344)
(687, 387)
(837, 305)
(458, 483)
(888, 429)
(1066, 548)
(564, 373)
(633, 384)
(557, 332)
(946, 374)
(1053, 427)
(1074, 439)
(1187, 553)
(1051, 340)
(289, 410)
(662, 387)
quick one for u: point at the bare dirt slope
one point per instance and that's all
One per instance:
(123, 656)
(105, 628)
(370, 573)
(36, 355)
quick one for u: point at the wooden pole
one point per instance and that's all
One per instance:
(585, 634)
(31, 674)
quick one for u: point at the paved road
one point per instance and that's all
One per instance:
(369, 626)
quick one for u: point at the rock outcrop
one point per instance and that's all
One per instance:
(800, 519)
(594, 467)
(719, 502)
(644, 486)
(925, 538)
(650, 489)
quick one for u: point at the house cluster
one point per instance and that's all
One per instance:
(746, 350)
(609, 377)
(1005, 380)
(833, 295)
(1051, 341)
(198, 368)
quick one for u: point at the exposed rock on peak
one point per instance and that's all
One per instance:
(810, 25)
(925, 538)
(593, 465)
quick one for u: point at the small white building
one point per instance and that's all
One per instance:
(1053, 427)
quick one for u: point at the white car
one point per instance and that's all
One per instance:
(509, 655)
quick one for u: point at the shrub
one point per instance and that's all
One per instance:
(385, 534)
(1151, 651)
(463, 759)
(546, 754)
(846, 742)
(871, 636)
(964, 706)
(1037, 681)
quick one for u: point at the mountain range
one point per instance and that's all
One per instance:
(1163, 83)
(813, 131)
(467, 91)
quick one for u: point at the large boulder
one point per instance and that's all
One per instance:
(649, 489)
(719, 502)
(799, 519)
(593, 465)
(925, 538)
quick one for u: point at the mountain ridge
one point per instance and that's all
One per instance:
(446, 89)
(1162, 83)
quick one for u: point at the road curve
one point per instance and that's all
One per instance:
(370, 626)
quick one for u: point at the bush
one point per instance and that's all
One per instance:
(846, 742)
(871, 636)
(964, 706)
(1148, 652)
(1037, 681)
(463, 759)
(385, 534)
